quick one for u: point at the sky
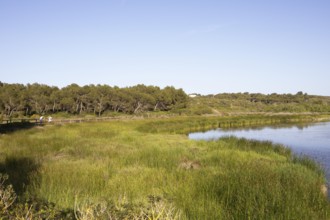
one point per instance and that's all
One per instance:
(201, 46)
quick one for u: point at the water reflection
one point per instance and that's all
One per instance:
(275, 127)
(312, 140)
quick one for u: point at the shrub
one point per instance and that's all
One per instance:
(11, 207)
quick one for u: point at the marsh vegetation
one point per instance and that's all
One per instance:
(150, 169)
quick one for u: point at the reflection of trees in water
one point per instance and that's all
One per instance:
(275, 127)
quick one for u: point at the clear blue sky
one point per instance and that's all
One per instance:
(203, 46)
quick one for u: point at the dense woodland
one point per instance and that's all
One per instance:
(26, 100)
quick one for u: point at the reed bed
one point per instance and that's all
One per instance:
(149, 168)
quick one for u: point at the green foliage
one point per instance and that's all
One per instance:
(308, 163)
(184, 125)
(7, 195)
(93, 99)
(156, 209)
(123, 170)
(13, 208)
(256, 102)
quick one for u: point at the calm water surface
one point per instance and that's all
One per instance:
(312, 140)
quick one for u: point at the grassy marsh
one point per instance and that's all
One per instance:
(136, 160)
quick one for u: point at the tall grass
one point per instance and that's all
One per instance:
(137, 160)
(184, 125)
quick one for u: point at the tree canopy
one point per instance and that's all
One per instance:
(27, 100)
(74, 99)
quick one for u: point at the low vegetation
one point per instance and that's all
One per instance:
(184, 125)
(149, 169)
(225, 103)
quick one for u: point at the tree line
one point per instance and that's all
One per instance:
(96, 99)
(257, 102)
(274, 98)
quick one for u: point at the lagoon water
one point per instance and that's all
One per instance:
(312, 140)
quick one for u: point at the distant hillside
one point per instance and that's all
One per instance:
(256, 102)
